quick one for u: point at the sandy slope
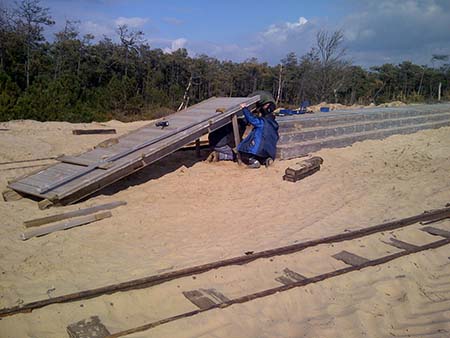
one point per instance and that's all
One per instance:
(182, 212)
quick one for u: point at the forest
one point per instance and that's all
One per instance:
(85, 78)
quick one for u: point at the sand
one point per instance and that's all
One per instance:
(183, 212)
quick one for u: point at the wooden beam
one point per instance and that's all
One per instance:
(88, 328)
(11, 195)
(70, 214)
(237, 137)
(65, 225)
(350, 258)
(197, 148)
(93, 131)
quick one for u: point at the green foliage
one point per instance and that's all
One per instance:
(74, 79)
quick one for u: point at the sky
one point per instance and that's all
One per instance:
(375, 31)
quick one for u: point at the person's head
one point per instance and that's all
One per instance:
(267, 109)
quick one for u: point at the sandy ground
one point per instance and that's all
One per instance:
(183, 212)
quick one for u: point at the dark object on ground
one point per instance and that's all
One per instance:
(93, 131)
(162, 124)
(88, 328)
(303, 169)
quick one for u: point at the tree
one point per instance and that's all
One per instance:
(30, 20)
(130, 40)
(332, 64)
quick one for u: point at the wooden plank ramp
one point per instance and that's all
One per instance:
(79, 176)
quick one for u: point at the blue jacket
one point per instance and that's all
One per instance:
(262, 141)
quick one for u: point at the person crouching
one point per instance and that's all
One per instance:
(260, 146)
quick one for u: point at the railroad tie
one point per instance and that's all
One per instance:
(350, 258)
(205, 298)
(88, 328)
(289, 277)
(401, 245)
(437, 232)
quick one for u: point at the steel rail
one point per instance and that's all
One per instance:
(145, 282)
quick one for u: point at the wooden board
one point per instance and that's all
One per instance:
(93, 131)
(64, 225)
(401, 245)
(437, 232)
(350, 258)
(289, 277)
(88, 328)
(205, 298)
(70, 214)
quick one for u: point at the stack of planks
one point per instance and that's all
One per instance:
(303, 169)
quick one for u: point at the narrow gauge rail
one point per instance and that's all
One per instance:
(427, 216)
(306, 281)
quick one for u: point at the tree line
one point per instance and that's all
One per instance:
(79, 79)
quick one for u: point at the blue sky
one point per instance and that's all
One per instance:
(376, 31)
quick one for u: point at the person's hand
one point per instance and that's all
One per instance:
(243, 105)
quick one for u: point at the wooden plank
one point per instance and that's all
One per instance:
(88, 328)
(197, 298)
(289, 277)
(215, 295)
(11, 195)
(401, 245)
(70, 214)
(205, 298)
(437, 232)
(350, 258)
(296, 178)
(304, 166)
(237, 137)
(93, 131)
(65, 225)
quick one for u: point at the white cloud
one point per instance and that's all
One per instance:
(133, 22)
(175, 45)
(279, 33)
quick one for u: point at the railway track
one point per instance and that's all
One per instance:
(233, 281)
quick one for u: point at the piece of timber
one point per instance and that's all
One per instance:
(400, 244)
(350, 258)
(304, 166)
(65, 225)
(296, 178)
(93, 131)
(165, 277)
(237, 137)
(11, 195)
(70, 214)
(275, 290)
(88, 328)
(436, 232)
